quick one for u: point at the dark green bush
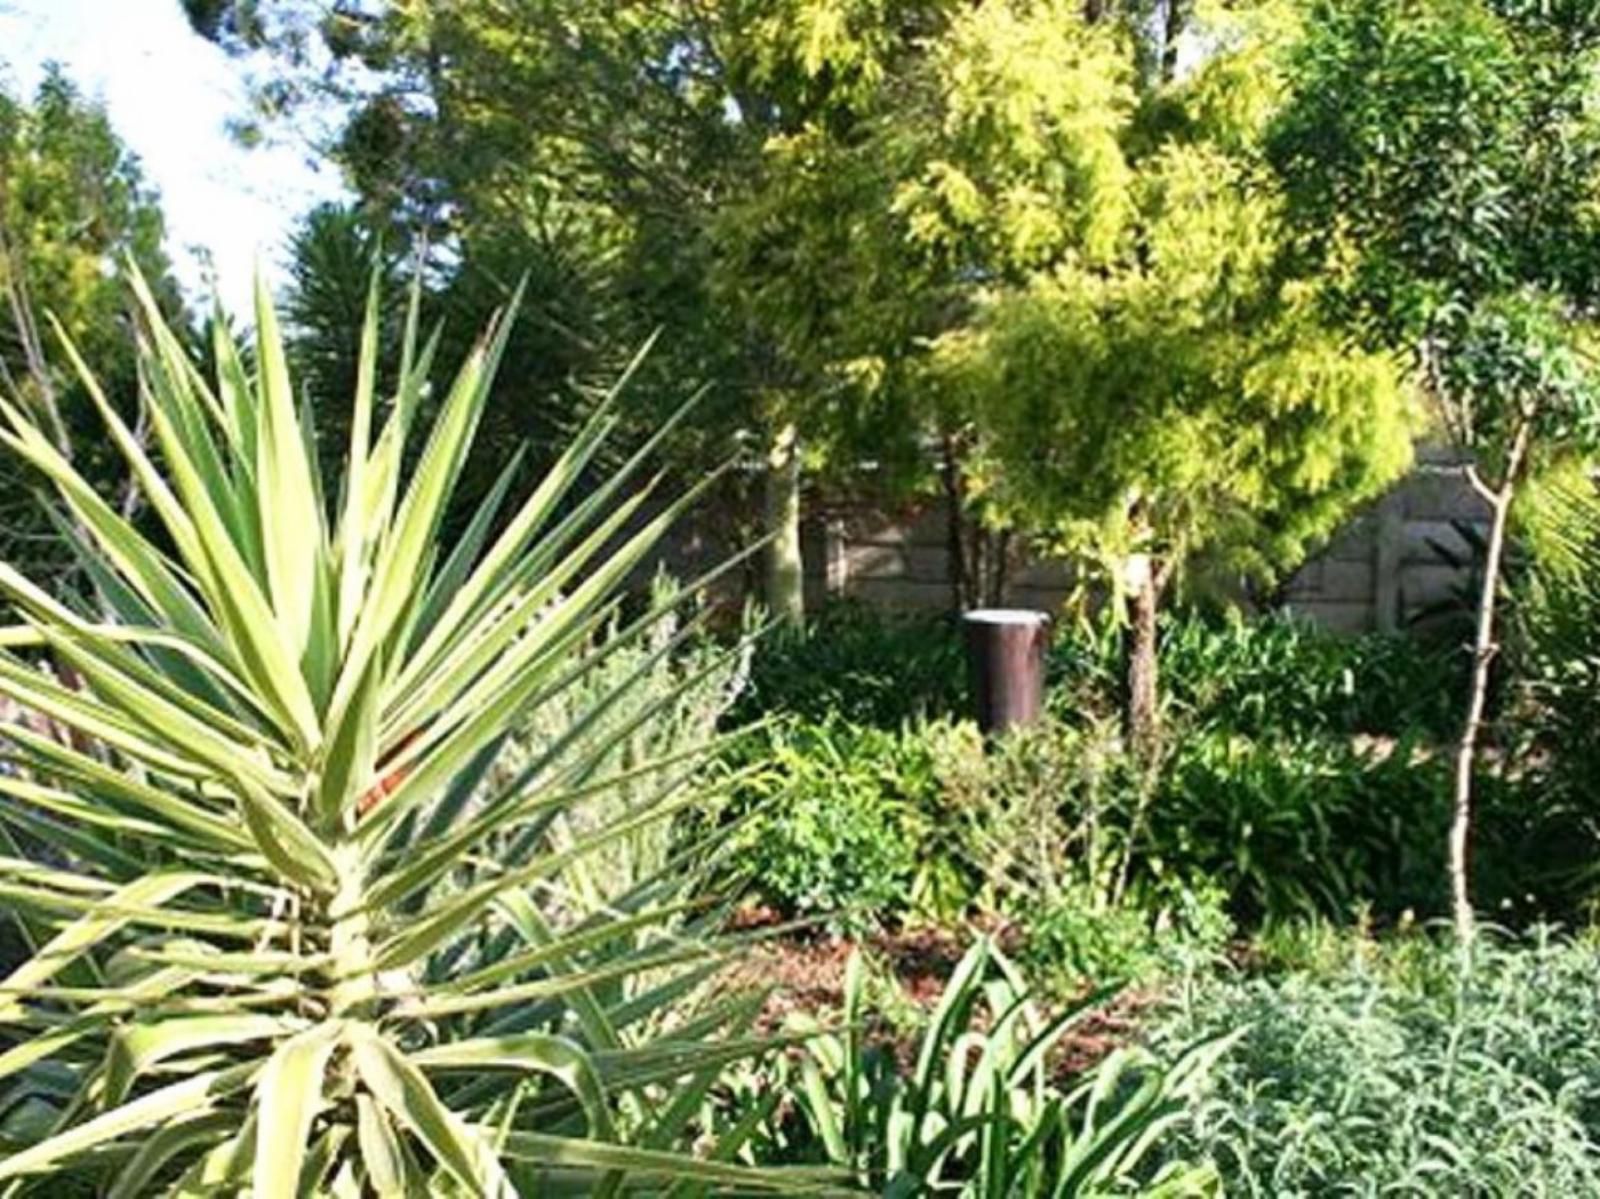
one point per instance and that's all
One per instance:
(1302, 826)
(1272, 675)
(1101, 864)
(1282, 675)
(859, 664)
(1306, 774)
(1275, 675)
(1550, 730)
(1403, 1070)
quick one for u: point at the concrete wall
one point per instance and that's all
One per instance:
(1381, 571)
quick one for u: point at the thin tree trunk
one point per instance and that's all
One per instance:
(1484, 649)
(955, 551)
(1176, 21)
(27, 329)
(785, 568)
(999, 573)
(1142, 711)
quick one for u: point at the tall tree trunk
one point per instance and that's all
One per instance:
(1484, 649)
(955, 548)
(999, 569)
(1141, 714)
(785, 568)
(1176, 21)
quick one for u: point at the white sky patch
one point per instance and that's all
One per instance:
(169, 95)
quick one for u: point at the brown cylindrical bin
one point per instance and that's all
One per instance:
(1005, 654)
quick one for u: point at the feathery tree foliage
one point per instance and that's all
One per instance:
(919, 224)
(1071, 273)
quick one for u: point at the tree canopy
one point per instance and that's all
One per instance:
(917, 234)
(74, 208)
(1441, 158)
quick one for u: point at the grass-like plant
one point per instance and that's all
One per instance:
(285, 939)
(981, 1112)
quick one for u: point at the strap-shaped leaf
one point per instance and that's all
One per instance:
(292, 522)
(178, 1100)
(167, 717)
(485, 586)
(353, 533)
(101, 921)
(175, 1140)
(424, 694)
(94, 1020)
(404, 1092)
(289, 1094)
(260, 632)
(186, 813)
(73, 827)
(225, 1167)
(350, 754)
(284, 838)
(542, 1053)
(650, 1165)
(141, 1046)
(34, 690)
(390, 1168)
(422, 509)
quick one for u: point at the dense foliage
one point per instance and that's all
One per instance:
(368, 830)
(1442, 158)
(73, 204)
(1370, 1069)
(1308, 777)
(288, 932)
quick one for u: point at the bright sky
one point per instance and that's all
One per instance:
(169, 94)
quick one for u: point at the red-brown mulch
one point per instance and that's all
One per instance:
(806, 974)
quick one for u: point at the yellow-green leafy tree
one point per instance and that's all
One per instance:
(1068, 273)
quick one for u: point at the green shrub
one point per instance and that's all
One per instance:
(1274, 676)
(1150, 934)
(1280, 675)
(1297, 827)
(1551, 726)
(1404, 1071)
(832, 818)
(1105, 864)
(1045, 828)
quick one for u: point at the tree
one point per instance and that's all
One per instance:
(463, 126)
(1066, 266)
(74, 207)
(1441, 157)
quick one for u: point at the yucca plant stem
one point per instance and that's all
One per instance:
(349, 939)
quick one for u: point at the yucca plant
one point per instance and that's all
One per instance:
(286, 941)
